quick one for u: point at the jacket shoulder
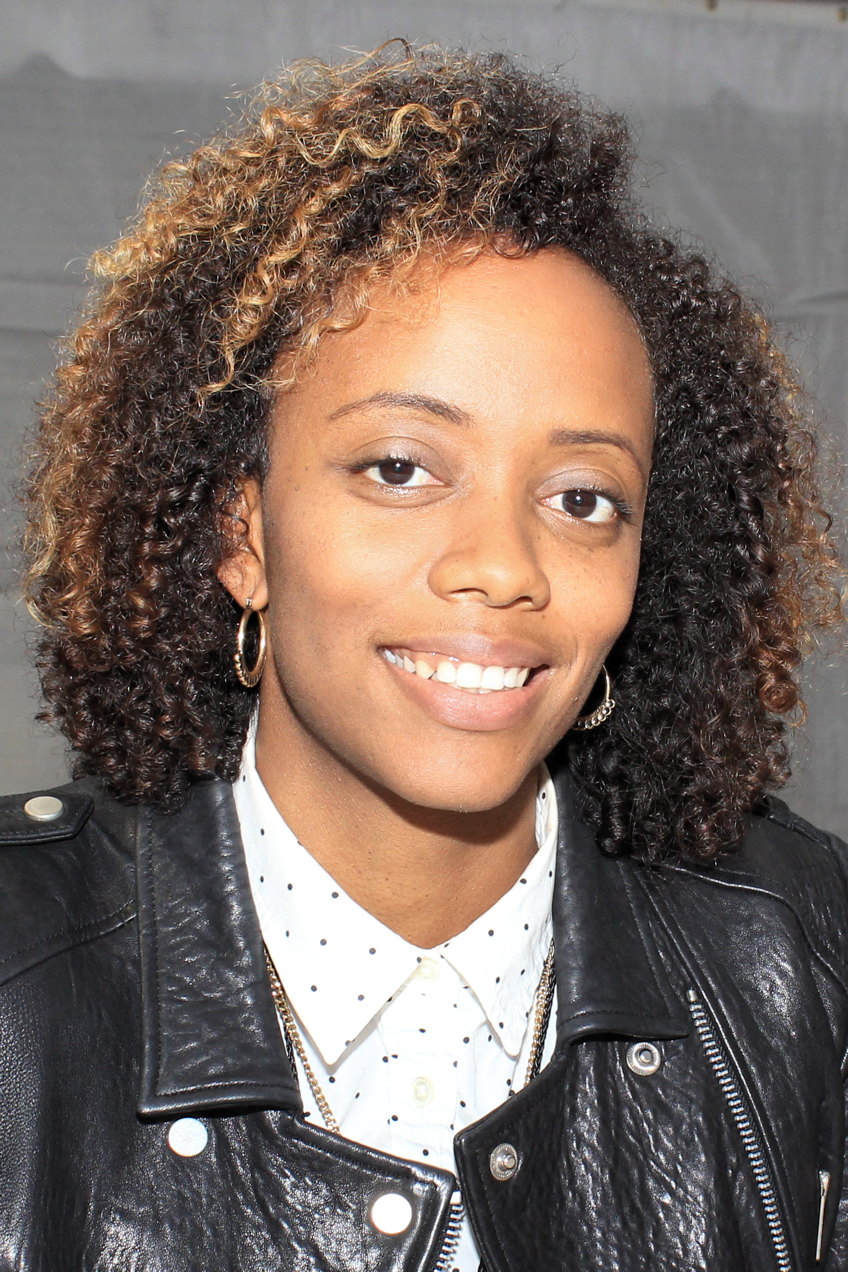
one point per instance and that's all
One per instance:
(66, 873)
(806, 868)
(786, 849)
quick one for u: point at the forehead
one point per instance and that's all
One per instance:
(523, 283)
(519, 333)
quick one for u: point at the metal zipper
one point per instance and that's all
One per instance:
(824, 1185)
(738, 1107)
(451, 1241)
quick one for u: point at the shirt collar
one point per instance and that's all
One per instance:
(340, 965)
(502, 953)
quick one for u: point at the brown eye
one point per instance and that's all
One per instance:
(579, 503)
(586, 505)
(397, 472)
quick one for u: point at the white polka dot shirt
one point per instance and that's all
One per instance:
(408, 1045)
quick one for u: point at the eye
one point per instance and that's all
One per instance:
(585, 505)
(398, 472)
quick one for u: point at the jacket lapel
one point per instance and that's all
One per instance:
(211, 1038)
(608, 975)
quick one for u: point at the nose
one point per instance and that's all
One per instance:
(491, 557)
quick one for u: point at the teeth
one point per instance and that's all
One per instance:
(469, 676)
(465, 675)
(493, 678)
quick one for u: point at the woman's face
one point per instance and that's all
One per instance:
(449, 530)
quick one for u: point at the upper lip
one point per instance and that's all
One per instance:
(475, 648)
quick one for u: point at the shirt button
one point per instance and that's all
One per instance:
(422, 1091)
(428, 969)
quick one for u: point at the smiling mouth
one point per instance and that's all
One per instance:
(469, 676)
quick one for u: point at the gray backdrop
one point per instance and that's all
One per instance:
(740, 108)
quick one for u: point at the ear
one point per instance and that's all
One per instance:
(242, 568)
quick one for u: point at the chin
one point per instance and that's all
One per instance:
(454, 790)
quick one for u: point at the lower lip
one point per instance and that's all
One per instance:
(478, 712)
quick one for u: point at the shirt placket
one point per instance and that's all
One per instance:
(422, 1033)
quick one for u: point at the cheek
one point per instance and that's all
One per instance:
(332, 575)
(595, 595)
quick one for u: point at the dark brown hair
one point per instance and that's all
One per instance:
(263, 240)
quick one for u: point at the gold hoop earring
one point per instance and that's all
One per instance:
(249, 676)
(601, 713)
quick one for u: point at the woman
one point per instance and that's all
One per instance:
(396, 454)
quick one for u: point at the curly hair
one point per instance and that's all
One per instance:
(266, 238)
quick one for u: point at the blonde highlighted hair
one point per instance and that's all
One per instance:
(245, 254)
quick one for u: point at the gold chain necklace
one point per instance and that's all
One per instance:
(541, 1016)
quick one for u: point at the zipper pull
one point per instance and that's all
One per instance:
(824, 1185)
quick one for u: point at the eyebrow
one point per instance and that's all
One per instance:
(455, 415)
(409, 402)
(594, 437)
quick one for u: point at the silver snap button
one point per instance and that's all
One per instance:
(504, 1161)
(187, 1137)
(44, 808)
(391, 1213)
(644, 1058)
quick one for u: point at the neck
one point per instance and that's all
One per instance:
(426, 873)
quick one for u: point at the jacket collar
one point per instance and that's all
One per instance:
(211, 1038)
(608, 974)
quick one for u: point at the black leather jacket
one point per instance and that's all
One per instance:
(134, 992)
